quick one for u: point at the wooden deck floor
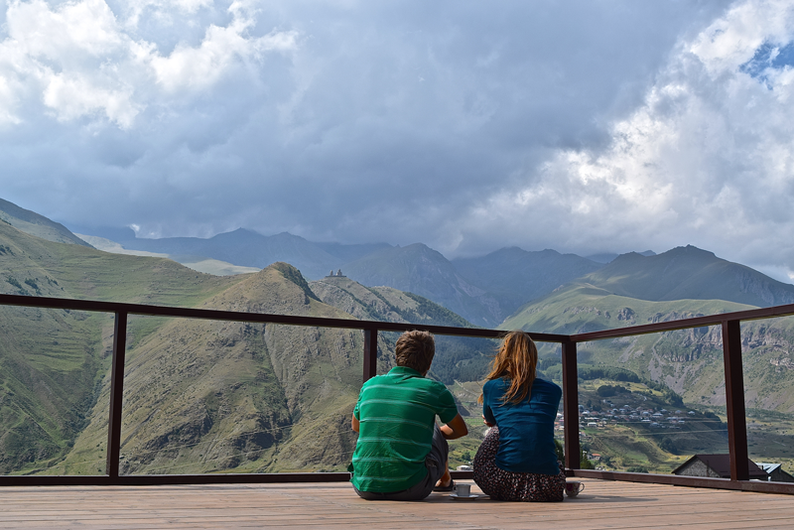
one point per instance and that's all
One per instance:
(603, 505)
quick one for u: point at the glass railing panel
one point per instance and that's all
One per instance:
(385, 355)
(648, 403)
(768, 366)
(550, 368)
(205, 396)
(462, 363)
(52, 364)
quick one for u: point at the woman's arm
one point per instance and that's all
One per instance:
(487, 415)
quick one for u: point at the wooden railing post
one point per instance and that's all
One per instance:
(116, 395)
(734, 399)
(570, 395)
(370, 353)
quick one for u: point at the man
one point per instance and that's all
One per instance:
(401, 454)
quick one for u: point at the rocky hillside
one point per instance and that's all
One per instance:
(210, 396)
(515, 276)
(419, 269)
(457, 358)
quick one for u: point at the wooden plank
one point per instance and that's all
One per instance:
(603, 505)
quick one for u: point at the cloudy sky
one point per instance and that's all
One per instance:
(583, 126)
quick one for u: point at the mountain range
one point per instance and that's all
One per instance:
(199, 397)
(483, 290)
(221, 396)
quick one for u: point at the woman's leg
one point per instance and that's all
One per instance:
(486, 474)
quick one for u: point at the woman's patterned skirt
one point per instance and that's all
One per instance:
(511, 486)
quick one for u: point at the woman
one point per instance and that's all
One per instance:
(517, 460)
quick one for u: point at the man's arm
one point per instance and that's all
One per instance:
(454, 429)
(354, 424)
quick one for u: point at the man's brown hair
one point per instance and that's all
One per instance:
(415, 349)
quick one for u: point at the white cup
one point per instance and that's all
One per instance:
(463, 490)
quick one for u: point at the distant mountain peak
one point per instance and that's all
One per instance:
(294, 275)
(689, 249)
(688, 272)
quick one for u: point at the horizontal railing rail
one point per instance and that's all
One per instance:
(262, 318)
(686, 323)
(731, 332)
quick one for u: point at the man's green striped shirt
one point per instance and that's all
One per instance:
(396, 414)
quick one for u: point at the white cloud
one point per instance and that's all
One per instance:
(202, 66)
(8, 102)
(73, 97)
(79, 61)
(61, 55)
(63, 34)
(733, 39)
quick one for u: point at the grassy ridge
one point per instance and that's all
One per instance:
(578, 308)
(52, 362)
(689, 362)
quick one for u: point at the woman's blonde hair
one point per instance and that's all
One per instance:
(516, 360)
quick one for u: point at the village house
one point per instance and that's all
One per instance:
(775, 472)
(715, 466)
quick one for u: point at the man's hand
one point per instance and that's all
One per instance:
(456, 428)
(354, 424)
(487, 422)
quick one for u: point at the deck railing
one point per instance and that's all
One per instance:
(732, 355)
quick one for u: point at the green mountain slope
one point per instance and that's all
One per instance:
(199, 396)
(689, 361)
(51, 362)
(689, 273)
(37, 225)
(682, 283)
(203, 397)
(579, 308)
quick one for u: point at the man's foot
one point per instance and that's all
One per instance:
(449, 486)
